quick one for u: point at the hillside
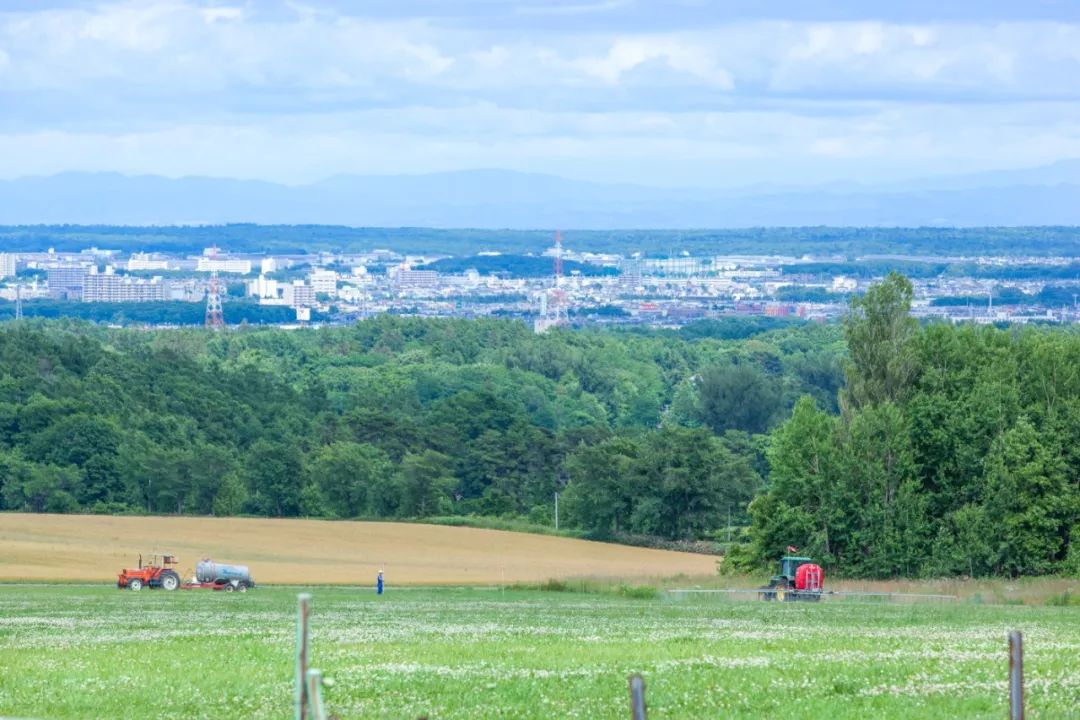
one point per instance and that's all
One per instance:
(93, 548)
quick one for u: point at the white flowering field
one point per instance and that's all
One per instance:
(96, 652)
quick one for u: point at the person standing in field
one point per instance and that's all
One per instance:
(379, 583)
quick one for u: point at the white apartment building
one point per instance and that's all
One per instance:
(7, 265)
(119, 288)
(145, 261)
(226, 265)
(263, 287)
(323, 281)
(406, 278)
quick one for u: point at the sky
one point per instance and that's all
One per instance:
(665, 92)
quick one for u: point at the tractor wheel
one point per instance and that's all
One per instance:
(241, 586)
(135, 584)
(169, 580)
(229, 587)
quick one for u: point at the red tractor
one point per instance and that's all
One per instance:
(800, 579)
(155, 573)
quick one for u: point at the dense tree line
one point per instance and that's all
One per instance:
(398, 417)
(879, 446)
(794, 241)
(165, 312)
(957, 451)
(518, 266)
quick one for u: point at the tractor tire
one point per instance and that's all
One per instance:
(169, 580)
(135, 584)
(229, 587)
(241, 586)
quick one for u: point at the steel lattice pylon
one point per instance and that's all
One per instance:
(214, 317)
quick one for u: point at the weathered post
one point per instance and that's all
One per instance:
(315, 698)
(637, 697)
(302, 630)
(1016, 675)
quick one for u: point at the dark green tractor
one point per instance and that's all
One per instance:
(799, 580)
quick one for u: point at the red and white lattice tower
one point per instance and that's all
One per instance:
(553, 303)
(215, 319)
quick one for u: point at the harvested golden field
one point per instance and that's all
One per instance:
(95, 547)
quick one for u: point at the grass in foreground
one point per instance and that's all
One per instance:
(95, 652)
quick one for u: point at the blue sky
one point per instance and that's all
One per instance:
(680, 92)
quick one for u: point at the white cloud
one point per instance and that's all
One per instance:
(179, 86)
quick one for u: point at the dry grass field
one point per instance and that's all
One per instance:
(95, 547)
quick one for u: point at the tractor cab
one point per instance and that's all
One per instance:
(789, 567)
(799, 579)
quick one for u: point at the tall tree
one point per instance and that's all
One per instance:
(880, 334)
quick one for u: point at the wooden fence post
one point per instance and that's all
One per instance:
(1016, 675)
(303, 616)
(315, 698)
(637, 697)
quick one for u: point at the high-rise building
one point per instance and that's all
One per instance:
(407, 278)
(120, 288)
(302, 295)
(7, 265)
(324, 282)
(66, 281)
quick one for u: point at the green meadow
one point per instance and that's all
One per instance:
(96, 652)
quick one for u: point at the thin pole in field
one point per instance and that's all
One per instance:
(314, 691)
(1016, 675)
(637, 697)
(556, 511)
(303, 616)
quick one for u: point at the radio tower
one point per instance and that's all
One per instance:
(215, 320)
(553, 305)
(18, 301)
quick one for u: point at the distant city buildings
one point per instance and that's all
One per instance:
(665, 292)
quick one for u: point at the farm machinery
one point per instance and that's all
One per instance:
(209, 575)
(154, 573)
(800, 580)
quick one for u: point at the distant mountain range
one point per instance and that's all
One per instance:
(1048, 195)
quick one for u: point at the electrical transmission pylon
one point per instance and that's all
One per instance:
(215, 319)
(553, 302)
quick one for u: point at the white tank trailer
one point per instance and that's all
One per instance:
(208, 571)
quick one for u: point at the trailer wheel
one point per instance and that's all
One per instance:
(229, 587)
(134, 584)
(169, 580)
(241, 587)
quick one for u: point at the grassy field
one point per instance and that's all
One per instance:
(96, 652)
(96, 547)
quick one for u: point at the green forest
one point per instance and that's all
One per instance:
(880, 446)
(847, 242)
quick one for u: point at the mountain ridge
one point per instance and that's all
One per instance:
(493, 199)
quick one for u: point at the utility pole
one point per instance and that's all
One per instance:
(556, 511)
